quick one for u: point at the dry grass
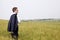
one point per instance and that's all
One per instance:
(33, 30)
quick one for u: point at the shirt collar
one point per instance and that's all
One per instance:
(14, 13)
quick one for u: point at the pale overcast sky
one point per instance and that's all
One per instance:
(31, 9)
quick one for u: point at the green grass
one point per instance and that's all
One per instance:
(33, 30)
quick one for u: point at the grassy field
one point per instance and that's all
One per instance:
(33, 30)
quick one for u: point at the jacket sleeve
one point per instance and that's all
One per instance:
(9, 25)
(12, 23)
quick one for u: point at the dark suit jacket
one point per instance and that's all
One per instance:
(13, 23)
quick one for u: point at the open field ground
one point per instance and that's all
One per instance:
(33, 30)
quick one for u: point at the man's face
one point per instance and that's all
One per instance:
(16, 11)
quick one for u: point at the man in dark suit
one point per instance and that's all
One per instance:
(13, 24)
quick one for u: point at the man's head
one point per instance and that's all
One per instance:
(15, 10)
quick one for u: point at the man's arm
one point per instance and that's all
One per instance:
(12, 23)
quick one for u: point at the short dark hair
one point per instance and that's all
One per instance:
(14, 9)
